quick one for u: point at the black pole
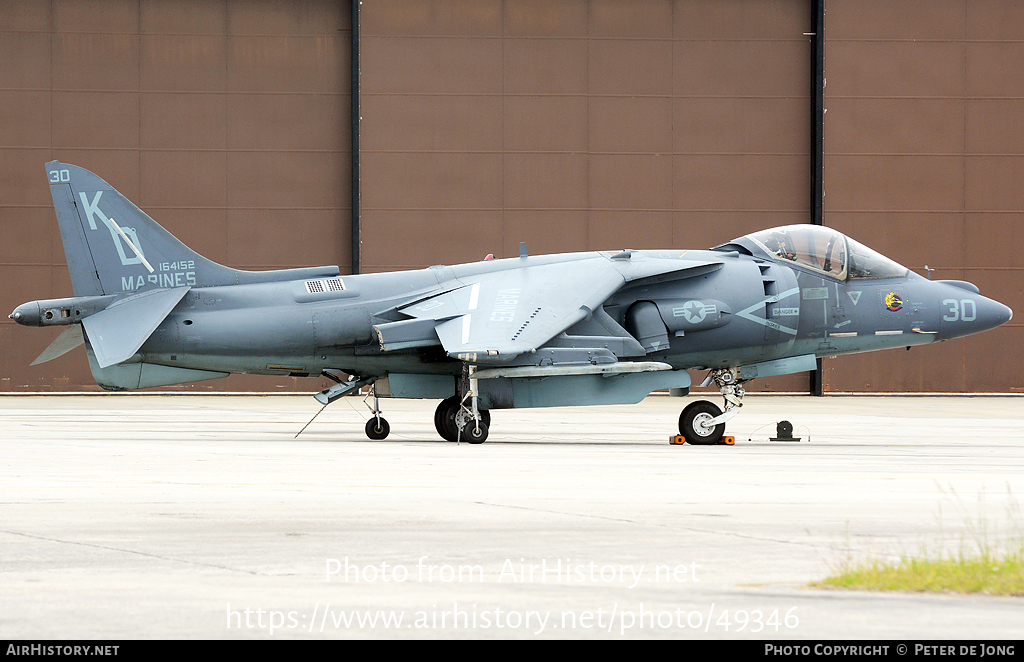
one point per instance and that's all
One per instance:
(817, 142)
(355, 135)
(817, 111)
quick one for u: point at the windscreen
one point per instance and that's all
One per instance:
(828, 251)
(812, 246)
(866, 263)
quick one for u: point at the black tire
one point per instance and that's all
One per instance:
(475, 433)
(377, 429)
(444, 418)
(689, 423)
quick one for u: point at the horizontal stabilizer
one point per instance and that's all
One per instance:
(117, 332)
(65, 342)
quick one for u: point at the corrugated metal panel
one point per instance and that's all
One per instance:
(579, 126)
(923, 161)
(571, 125)
(226, 121)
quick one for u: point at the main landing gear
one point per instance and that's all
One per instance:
(459, 417)
(703, 422)
(454, 421)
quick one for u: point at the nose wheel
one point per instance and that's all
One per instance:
(702, 423)
(696, 423)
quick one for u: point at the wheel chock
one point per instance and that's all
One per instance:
(679, 440)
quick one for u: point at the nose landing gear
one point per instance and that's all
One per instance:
(702, 423)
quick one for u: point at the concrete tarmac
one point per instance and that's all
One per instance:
(154, 516)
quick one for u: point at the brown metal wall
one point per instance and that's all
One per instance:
(571, 124)
(923, 160)
(226, 120)
(579, 125)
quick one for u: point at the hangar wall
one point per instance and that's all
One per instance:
(571, 125)
(579, 125)
(227, 121)
(923, 161)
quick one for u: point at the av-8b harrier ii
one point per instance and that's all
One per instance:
(529, 331)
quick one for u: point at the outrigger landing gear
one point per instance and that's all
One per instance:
(459, 418)
(377, 428)
(703, 422)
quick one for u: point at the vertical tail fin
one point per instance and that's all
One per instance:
(113, 247)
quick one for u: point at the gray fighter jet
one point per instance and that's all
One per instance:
(530, 331)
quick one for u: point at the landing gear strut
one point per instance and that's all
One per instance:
(703, 422)
(377, 428)
(460, 418)
(448, 412)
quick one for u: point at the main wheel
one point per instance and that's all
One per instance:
(377, 428)
(444, 418)
(690, 420)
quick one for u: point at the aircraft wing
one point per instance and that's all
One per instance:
(510, 312)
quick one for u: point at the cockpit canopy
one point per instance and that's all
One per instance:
(825, 250)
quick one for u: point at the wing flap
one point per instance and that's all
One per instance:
(118, 331)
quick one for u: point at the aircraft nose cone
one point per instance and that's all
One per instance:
(988, 315)
(963, 311)
(1003, 314)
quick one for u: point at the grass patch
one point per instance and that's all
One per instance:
(986, 574)
(979, 567)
